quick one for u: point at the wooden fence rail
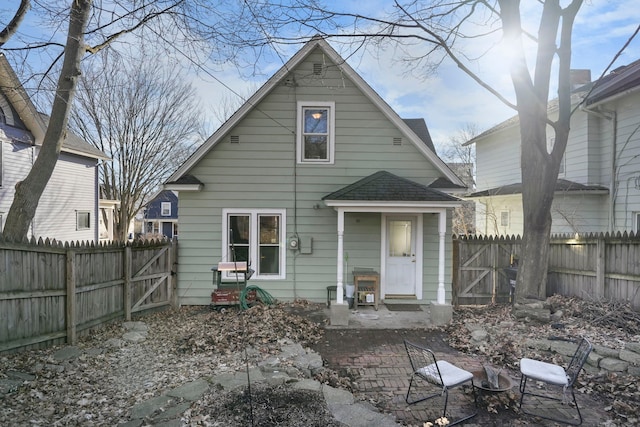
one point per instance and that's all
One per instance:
(51, 292)
(597, 266)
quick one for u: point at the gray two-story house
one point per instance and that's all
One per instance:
(68, 208)
(598, 187)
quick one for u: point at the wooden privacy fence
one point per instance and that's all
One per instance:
(50, 292)
(598, 266)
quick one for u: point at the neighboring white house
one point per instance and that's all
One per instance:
(68, 208)
(598, 187)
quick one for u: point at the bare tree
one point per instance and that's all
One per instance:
(146, 118)
(430, 31)
(460, 158)
(193, 30)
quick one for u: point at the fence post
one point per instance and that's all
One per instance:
(455, 279)
(173, 268)
(71, 297)
(127, 282)
(601, 249)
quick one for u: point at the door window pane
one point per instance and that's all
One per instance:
(399, 238)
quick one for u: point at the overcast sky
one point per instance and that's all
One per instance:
(449, 99)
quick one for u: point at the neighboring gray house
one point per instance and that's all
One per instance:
(598, 189)
(314, 176)
(68, 208)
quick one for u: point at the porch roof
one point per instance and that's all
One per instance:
(562, 186)
(384, 186)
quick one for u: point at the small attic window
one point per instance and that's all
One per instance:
(317, 68)
(397, 141)
(234, 139)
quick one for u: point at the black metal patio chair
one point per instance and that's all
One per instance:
(429, 372)
(555, 376)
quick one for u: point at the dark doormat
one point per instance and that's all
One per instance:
(403, 307)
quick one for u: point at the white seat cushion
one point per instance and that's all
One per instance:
(543, 371)
(451, 374)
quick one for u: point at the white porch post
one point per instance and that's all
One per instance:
(442, 231)
(340, 263)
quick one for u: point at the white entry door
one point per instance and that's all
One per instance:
(400, 271)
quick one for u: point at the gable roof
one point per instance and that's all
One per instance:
(619, 82)
(562, 186)
(419, 127)
(280, 75)
(385, 186)
(35, 121)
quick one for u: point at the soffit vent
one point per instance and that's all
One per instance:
(317, 68)
(397, 141)
(234, 139)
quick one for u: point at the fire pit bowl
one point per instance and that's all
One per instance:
(480, 381)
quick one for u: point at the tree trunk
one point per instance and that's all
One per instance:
(29, 191)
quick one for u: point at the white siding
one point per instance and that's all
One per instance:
(498, 159)
(70, 189)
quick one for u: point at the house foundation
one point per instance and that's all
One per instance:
(441, 314)
(339, 313)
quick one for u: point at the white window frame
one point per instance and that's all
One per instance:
(78, 216)
(503, 213)
(165, 208)
(636, 222)
(1, 163)
(1, 221)
(331, 123)
(253, 243)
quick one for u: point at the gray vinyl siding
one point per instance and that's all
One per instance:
(260, 172)
(498, 159)
(72, 188)
(627, 201)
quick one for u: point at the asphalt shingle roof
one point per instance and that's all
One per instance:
(385, 186)
(561, 185)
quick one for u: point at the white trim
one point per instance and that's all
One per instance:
(78, 213)
(253, 244)
(331, 136)
(419, 248)
(162, 211)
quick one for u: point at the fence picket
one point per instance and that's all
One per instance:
(52, 292)
(599, 266)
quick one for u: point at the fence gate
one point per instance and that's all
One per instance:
(479, 264)
(147, 278)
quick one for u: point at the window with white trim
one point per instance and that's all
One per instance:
(165, 209)
(504, 218)
(315, 132)
(83, 220)
(256, 236)
(636, 222)
(1, 223)
(1, 150)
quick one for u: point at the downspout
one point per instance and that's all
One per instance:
(613, 118)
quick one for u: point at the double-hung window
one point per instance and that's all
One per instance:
(256, 236)
(165, 209)
(83, 220)
(316, 132)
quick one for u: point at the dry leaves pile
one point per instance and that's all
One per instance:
(102, 385)
(603, 323)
